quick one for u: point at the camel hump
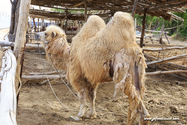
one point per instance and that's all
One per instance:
(89, 29)
(123, 18)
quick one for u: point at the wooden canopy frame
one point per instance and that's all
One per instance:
(159, 8)
(60, 16)
(154, 7)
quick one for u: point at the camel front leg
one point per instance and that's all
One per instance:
(82, 109)
(92, 113)
(91, 98)
(81, 113)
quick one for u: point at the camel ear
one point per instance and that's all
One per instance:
(64, 35)
(53, 34)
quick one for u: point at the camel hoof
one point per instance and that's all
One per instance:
(115, 100)
(76, 118)
(145, 122)
(91, 116)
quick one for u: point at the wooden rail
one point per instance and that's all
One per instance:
(162, 49)
(167, 59)
(28, 46)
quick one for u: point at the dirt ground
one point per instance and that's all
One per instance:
(38, 106)
(166, 97)
(3, 32)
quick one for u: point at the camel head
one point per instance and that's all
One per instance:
(51, 33)
(55, 45)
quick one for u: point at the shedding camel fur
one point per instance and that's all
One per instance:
(101, 53)
(111, 54)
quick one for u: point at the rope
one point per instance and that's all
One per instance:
(63, 82)
(68, 86)
(50, 83)
(61, 76)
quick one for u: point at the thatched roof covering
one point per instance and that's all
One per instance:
(58, 15)
(159, 8)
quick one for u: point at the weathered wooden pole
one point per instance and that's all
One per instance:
(12, 24)
(21, 38)
(78, 26)
(135, 24)
(162, 33)
(134, 8)
(14, 18)
(30, 20)
(61, 24)
(34, 24)
(85, 10)
(43, 21)
(42, 25)
(143, 28)
(66, 20)
(38, 25)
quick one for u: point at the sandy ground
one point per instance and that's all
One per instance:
(38, 106)
(166, 97)
(3, 32)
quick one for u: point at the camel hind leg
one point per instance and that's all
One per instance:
(136, 106)
(134, 100)
(125, 84)
(132, 87)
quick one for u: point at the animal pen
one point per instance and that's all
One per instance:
(12, 63)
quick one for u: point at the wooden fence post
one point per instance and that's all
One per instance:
(61, 23)
(143, 29)
(135, 24)
(85, 11)
(21, 37)
(34, 24)
(38, 25)
(14, 18)
(42, 25)
(162, 33)
(134, 8)
(12, 24)
(66, 20)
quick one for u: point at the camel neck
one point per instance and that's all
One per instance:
(58, 50)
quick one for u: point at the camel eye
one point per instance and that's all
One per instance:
(45, 34)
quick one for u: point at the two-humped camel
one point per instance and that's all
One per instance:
(101, 53)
